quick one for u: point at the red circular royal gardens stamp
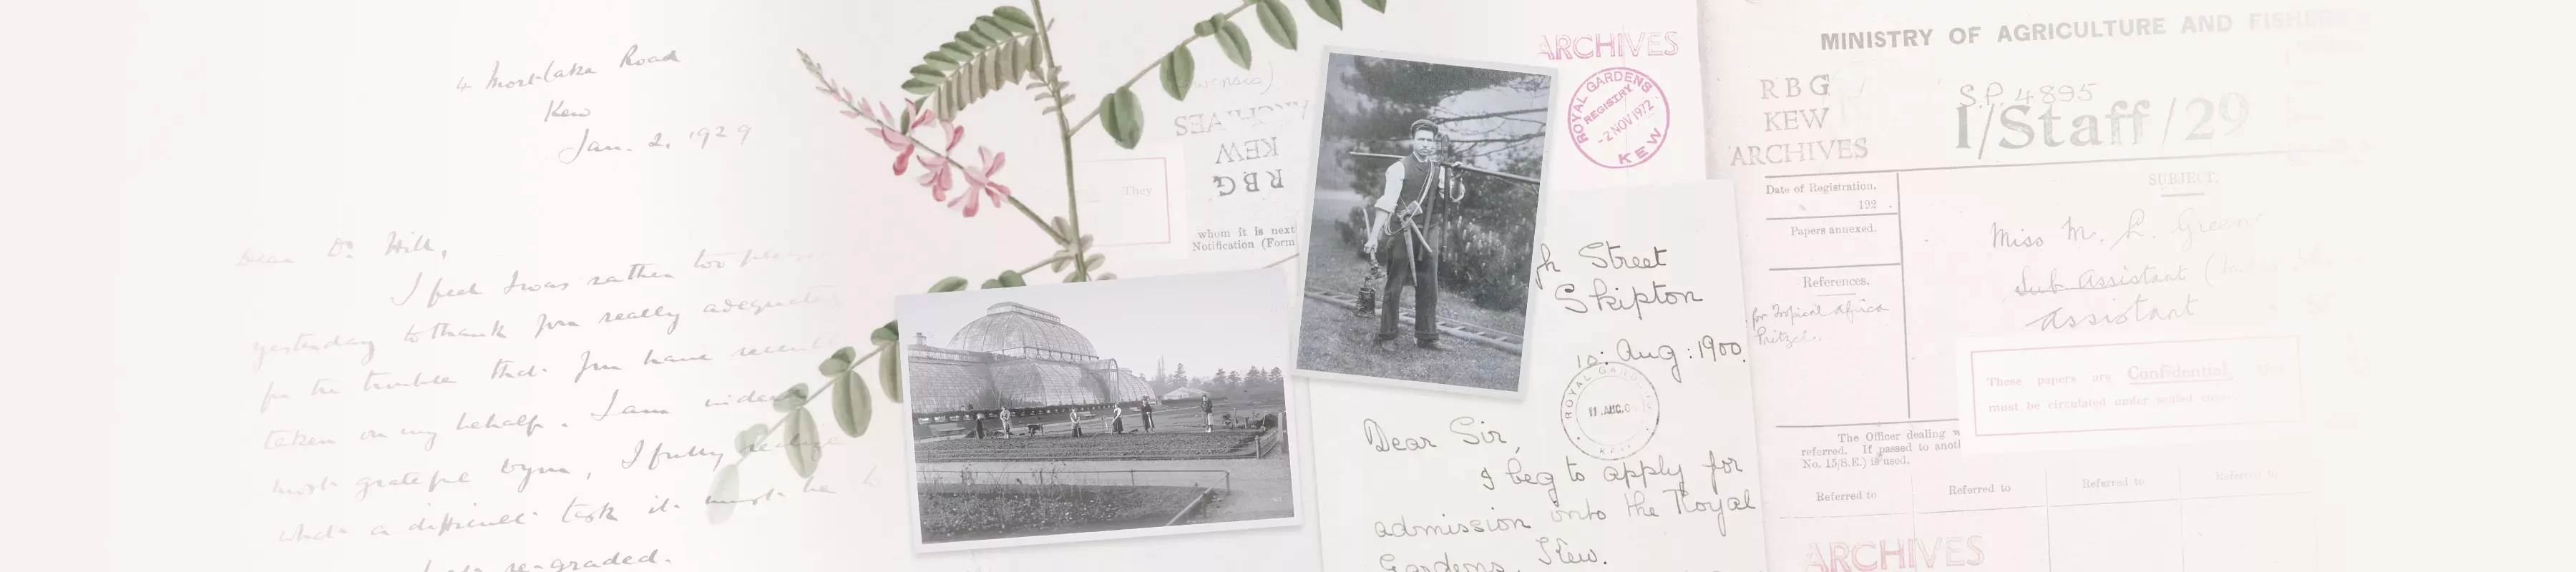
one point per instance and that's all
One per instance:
(1618, 117)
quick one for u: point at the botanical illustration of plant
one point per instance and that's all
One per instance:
(1009, 46)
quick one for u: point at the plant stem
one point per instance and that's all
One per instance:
(827, 388)
(1035, 267)
(774, 427)
(817, 394)
(1149, 68)
(1072, 198)
(944, 159)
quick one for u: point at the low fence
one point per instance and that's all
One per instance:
(1268, 442)
(1203, 478)
(1224, 444)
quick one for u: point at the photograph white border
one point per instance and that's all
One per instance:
(1301, 477)
(1538, 234)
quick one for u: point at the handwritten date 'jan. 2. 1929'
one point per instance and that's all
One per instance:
(701, 138)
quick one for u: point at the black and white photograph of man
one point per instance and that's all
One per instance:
(1428, 186)
(1110, 409)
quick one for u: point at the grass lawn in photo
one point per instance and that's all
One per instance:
(1339, 339)
(953, 512)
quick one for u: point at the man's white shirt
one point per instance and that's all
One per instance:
(1394, 187)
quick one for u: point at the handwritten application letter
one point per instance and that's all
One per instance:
(1633, 448)
(532, 348)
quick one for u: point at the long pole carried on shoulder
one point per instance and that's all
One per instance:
(1457, 165)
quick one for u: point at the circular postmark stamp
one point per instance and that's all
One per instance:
(1619, 117)
(1610, 411)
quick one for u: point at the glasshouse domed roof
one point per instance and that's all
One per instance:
(1010, 326)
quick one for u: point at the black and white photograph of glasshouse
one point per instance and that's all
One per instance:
(1066, 412)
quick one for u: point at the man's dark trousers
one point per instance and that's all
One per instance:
(1400, 253)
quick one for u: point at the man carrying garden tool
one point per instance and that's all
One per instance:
(1402, 224)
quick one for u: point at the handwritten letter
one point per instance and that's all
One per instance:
(1635, 437)
(541, 363)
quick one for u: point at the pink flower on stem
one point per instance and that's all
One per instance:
(981, 182)
(980, 187)
(894, 139)
(937, 178)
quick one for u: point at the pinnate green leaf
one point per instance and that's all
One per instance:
(1065, 255)
(1121, 116)
(993, 50)
(1008, 279)
(1279, 22)
(1329, 10)
(890, 372)
(949, 284)
(929, 74)
(1229, 37)
(1016, 58)
(889, 340)
(840, 361)
(1015, 19)
(804, 443)
(744, 441)
(1178, 69)
(1378, 5)
(850, 407)
(991, 28)
(727, 488)
(886, 334)
(792, 399)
